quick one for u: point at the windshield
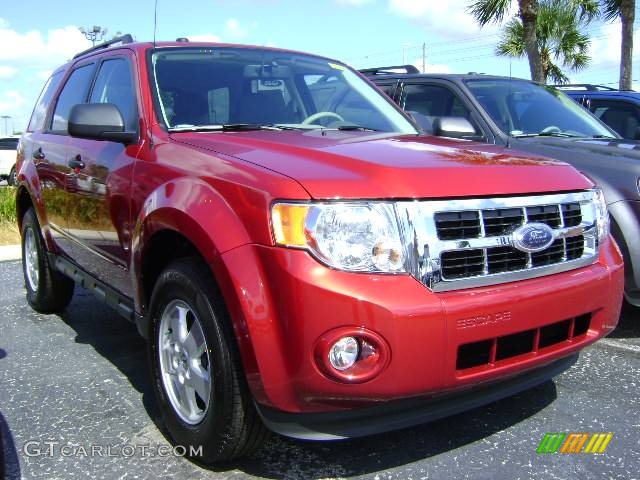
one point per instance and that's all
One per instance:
(249, 87)
(523, 108)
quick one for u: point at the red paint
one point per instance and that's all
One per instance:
(216, 189)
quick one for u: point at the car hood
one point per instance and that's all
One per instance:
(611, 147)
(335, 164)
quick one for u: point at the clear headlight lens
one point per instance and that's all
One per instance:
(360, 237)
(602, 215)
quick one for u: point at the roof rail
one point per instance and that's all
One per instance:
(123, 39)
(389, 70)
(585, 86)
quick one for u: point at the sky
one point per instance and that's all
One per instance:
(36, 36)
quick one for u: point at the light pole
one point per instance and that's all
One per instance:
(95, 34)
(6, 128)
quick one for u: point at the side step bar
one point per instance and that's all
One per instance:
(120, 303)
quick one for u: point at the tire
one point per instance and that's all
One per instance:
(12, 178)
(48, 291)
(221, 419)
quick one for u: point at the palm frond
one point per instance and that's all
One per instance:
(489, 11)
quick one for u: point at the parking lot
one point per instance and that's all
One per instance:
(80, 379)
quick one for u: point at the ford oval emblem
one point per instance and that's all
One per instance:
(533, 237)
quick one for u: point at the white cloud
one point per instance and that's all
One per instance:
(354, 3)
(605, 56)
(44, 74)
(7, 71)
(448, 18)
(204, 37)
(431, 67)
(11, 101)
(234, 30)
(58, 45)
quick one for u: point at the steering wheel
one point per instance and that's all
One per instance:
(551, 129)
(317, 116)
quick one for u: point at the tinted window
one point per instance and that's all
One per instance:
(114, 85)
(40, 111)
(623, 117)
(9, 143)
(389, 90)
(432, 101)
(521, 107)
(74, 92)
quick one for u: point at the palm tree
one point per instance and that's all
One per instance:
(559, 40)
(488, 11)
(626, 11)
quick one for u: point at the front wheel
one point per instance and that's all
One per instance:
(197, 374)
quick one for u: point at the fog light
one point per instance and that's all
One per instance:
(344, 353)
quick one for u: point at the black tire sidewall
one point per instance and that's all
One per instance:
(11, 179)
(177, 283)
(30, 222)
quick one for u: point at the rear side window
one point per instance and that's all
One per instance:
(73, 92)
(40, 111)
(623, 117)
(114, 85)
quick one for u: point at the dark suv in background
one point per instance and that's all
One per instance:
(620, 109)
(532, 118)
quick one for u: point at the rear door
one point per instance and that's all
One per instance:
(100, 214)
(46, 141)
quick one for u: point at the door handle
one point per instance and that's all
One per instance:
(76, 163)
(38, 154)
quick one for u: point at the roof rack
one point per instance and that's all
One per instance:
(122, 40)
(585, 86)
(389, 70)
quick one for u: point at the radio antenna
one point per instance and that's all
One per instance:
(155, 22)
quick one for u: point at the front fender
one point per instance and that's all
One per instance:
(191, 207)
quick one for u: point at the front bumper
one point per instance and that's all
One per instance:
(282, 301)
(397, 414)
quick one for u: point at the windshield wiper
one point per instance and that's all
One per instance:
(227, 127)
(348, 128)
(603, 136)
(547, 134)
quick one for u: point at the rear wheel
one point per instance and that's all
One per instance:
(48, 291)
(197, 374)
(12, 179)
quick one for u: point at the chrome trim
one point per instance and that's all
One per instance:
(423, 248)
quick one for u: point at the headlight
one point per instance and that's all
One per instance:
(602, 215)
(358, 237)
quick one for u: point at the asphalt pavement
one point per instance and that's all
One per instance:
(76, 403)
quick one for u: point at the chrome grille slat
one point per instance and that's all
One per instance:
(484, 254)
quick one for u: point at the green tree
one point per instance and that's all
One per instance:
(626, 11)
(495, 11)
(559, 40)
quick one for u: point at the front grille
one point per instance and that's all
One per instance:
(465, 243)
(489, 351)
(454, 225)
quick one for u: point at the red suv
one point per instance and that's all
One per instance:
(296, 254)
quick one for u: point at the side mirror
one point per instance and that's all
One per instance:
(454, 127)
(99, 121)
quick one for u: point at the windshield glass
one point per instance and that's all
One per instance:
(521, 107)
(223, 86)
